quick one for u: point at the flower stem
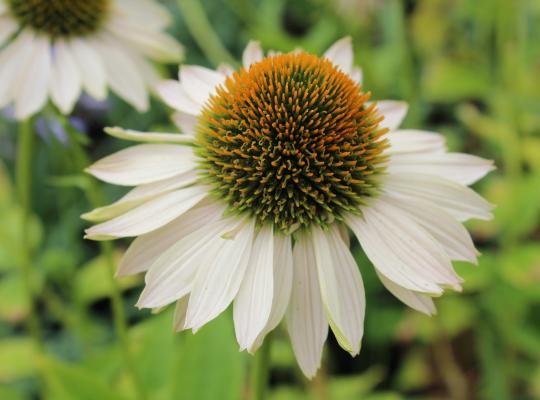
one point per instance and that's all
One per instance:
(95, 199)
(24, 193)
(202, 32)
(261, 371)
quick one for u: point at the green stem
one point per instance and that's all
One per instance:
(202, 32)
(261, 371)
(96, 199)
(24, 192)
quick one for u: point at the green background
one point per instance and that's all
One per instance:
(468, 69)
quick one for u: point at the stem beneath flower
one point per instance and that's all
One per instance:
(261, 371)
(202, 32)
(95, 199)
(24, 193)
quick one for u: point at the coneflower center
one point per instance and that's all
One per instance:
(291, 141)
(61, 17)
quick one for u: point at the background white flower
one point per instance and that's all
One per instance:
(55, 49)
(214, 227)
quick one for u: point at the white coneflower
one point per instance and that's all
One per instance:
(56, 48)
(283, 158)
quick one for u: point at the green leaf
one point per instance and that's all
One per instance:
(17, 359)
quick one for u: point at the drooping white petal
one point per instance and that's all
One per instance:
(152, 43)
(394, 113)
(185, 122)
(33, 79)
(13, 59)
(417, 301)
(457, 200)
(171, 275)
(253, 303)
(402, 250)
(146, 249)
(92, 70)
(122, 73)
(65, 86)
(149, 216)
(139, 195)
(450, 234)
(456, 167)
(8, 26)
(199, 82)
(283, 275)
(144, 163)
(253, 53)
(148, 137)
(175, 96)
(180, 311)
(306, 320)
(341, 286)
(414, 142)
(341, 54)
(219, 277)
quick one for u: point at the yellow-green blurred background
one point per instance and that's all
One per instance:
(468, 68)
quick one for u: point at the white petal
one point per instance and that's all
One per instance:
(414, 142)
(253, 302)
(8, 26)
(185, 122)
(457, 200)
(144, 163)
(33, 80)
(219, 277)
(357, 75)
(341, 54)
(139, 195)
(66, 78)
(394, 113)
(148, 137)
(199, 82)
(92, 70)
(306, 320)
(342, 289)
(456, 167)
(122, 74)
(171, 276)
(175, 96)
(402, 250)
(149, 216)
(417, 301)
(450, 234)
(283, 275)
(146, 249)
(253, 53)
(225, 69)
(180, 311)
(152, 43)
(145, 12)
(13, 59)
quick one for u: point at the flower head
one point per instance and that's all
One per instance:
(254, 202)
(55, 49)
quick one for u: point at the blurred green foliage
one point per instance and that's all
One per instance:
(469, 69)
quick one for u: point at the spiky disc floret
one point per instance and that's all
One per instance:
(292, 141)
(61, 17)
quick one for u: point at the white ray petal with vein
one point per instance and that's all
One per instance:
(219, 277)
(457, 200)
(414, 142)
(199, 82)
(65, 85)
(306, 319)
(144, 163)
(174, 95)
(253, 303)
(147, 248)
(342, 289)
(394, 113)
(252, 54)
(149, 216)
(91, 67)
(341, 54)
(417, 301)
(149, 137)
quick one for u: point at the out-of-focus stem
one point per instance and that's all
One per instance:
(261, 371)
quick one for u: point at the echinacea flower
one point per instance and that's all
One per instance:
(254, 203)
(55, 49)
